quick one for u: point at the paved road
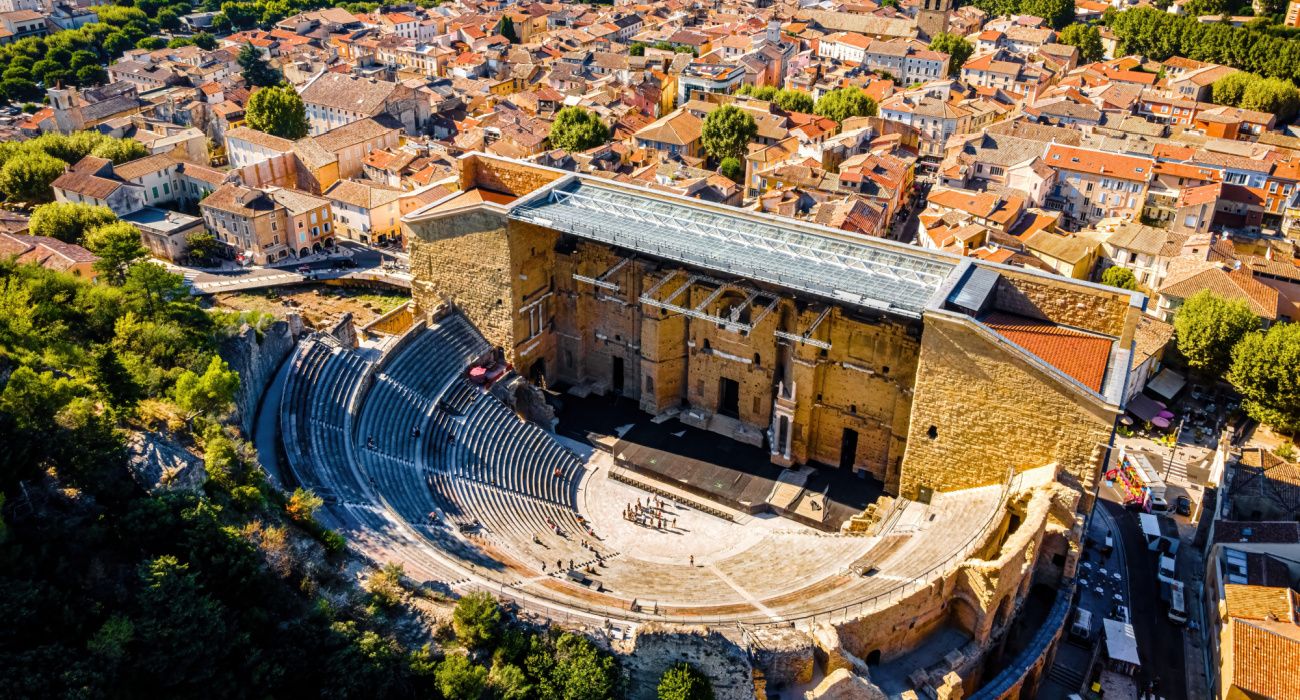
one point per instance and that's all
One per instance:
(1160, 642)
(367, 261)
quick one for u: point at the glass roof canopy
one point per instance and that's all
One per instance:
(868, 274)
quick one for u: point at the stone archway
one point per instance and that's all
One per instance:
(1003, 614)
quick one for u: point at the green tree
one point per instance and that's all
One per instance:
(508, 682)
(1207, 326)
(506, 28)
(844, 103)
(118, 247)
(28, 178)
(460, 679)
(576, 129)
(1266, 371)
(792, 100)
(116, 43)
(683, 681)
(998, 8)
(201, 247)
(278, 111)
(1229, 89)
(119, 150)
(1087, 39)
(205, 41)
(303, 504)
(636, 49)
(1273, 96)
(68, 221)
(151, 43)
(477, 620)
(20, 89)
(1120, 277)
(385, 585)
(210, 393)
(91, 75)
(579, 671)
(1058, 13)
(727, 132)
(957, 48)
(257, 72)
(732, 169)
(758, 92)
(221, 461)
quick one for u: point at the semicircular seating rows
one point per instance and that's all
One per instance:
(430, 442)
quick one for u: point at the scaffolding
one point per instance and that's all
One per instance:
(863, 273)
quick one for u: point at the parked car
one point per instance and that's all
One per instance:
(1183, 506)
(304, 269)
(1159, 505)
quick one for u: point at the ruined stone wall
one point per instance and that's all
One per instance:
(981, 408)
(657, 648)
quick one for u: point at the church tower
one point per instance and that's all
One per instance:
(932, 18)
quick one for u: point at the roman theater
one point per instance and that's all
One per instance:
(623, 410)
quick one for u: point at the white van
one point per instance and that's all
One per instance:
(1177, 604)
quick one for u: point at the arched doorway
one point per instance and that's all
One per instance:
(315, 247)
(329, 242)
(1003, 613)
(304, 252)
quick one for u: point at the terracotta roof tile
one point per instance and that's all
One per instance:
(1080, 355)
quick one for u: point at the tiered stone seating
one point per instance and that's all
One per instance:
(426, 440)
(315, 420)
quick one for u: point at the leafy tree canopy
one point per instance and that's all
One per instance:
(844, 103)
(477, 620)
(957, 47)
(256, 70)
(732, 169)
(684, 682)
(118, 247)
(577, 129)
(1087, 39)
(1207, 326)
(68, 221)
(1266, 370)
(278, 111)
(727, 132)
(1121, 277)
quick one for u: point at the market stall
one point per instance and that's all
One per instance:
(1136, 478)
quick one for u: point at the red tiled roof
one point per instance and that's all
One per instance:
(1080, 355)
(1265, 656)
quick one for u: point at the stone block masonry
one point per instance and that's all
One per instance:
(980, 410)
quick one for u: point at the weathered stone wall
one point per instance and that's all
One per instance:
(504, 176)
(465, 260)
(981, 408)
(257, 357)
(1067, 303)
(656, 649)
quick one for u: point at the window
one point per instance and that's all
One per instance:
(166, 189)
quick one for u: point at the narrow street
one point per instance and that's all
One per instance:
(1160, 642)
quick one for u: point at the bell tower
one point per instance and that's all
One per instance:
(932, 18)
